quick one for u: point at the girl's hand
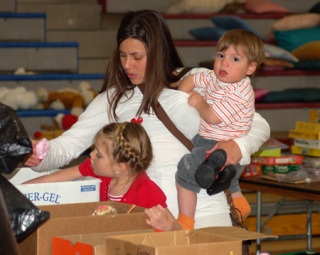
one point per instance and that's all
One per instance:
(33, 159)
(160, 218)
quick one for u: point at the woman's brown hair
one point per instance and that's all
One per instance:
(150, 28)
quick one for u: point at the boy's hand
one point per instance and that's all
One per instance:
(195, 99)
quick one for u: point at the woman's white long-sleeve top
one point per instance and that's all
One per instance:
(167, 149)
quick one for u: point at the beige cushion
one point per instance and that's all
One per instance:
(198, 6)
(269, 61)
(297, 21)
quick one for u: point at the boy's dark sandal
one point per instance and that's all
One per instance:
(207, 172)
(223, 180)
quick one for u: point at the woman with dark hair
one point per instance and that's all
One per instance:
(144, 68)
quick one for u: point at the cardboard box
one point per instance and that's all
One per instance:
(215, 240)
(75, 219)
(86, 189)
(303, 135)
(271, 170)
(251, 170)
(305, 151)
(268, 153)
(314, 115)
(308, 127)
(86, 244)
(306, 143)
(271, 148)
(281, 160)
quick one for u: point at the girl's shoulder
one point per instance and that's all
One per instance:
(145, 185)
(147, 193)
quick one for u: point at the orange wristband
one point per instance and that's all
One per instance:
(186, 222)
(241, 203)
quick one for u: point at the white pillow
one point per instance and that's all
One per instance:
(274, 51)
(199, 6)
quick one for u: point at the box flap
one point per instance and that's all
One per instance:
(99, 238)
(236, 232)
(73, 219)
(85, 209)
(173, 242)
(86, 244)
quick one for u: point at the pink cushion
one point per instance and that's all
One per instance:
(260, 94)
(264, 6)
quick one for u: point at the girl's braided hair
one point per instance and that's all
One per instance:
(127, 143)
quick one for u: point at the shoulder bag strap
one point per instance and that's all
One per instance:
(163, 116)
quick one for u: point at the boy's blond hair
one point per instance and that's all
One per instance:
(245, 40)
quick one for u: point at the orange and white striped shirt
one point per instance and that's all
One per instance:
(233, 103)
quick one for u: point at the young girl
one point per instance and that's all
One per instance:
(121, 156)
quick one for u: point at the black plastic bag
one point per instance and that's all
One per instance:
(8, 244)
(15, 144)
(24, 216)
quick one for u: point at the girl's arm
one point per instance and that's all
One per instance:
(68, 174)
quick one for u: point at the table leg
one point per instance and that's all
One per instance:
(258, 215)
(309, 227)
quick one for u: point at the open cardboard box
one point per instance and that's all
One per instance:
(74, 219)
(86, 189)
(206, 241)
(86, 244)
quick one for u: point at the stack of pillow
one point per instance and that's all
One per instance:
(292, 42)
(300, 35)
(212, 6)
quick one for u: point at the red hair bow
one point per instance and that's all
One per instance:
(139, 120)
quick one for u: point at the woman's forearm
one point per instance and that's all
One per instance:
(77, 139)
(258, 134)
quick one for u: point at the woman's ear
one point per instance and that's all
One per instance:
(252, 68)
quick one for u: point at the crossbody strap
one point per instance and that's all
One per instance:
(163, 116)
